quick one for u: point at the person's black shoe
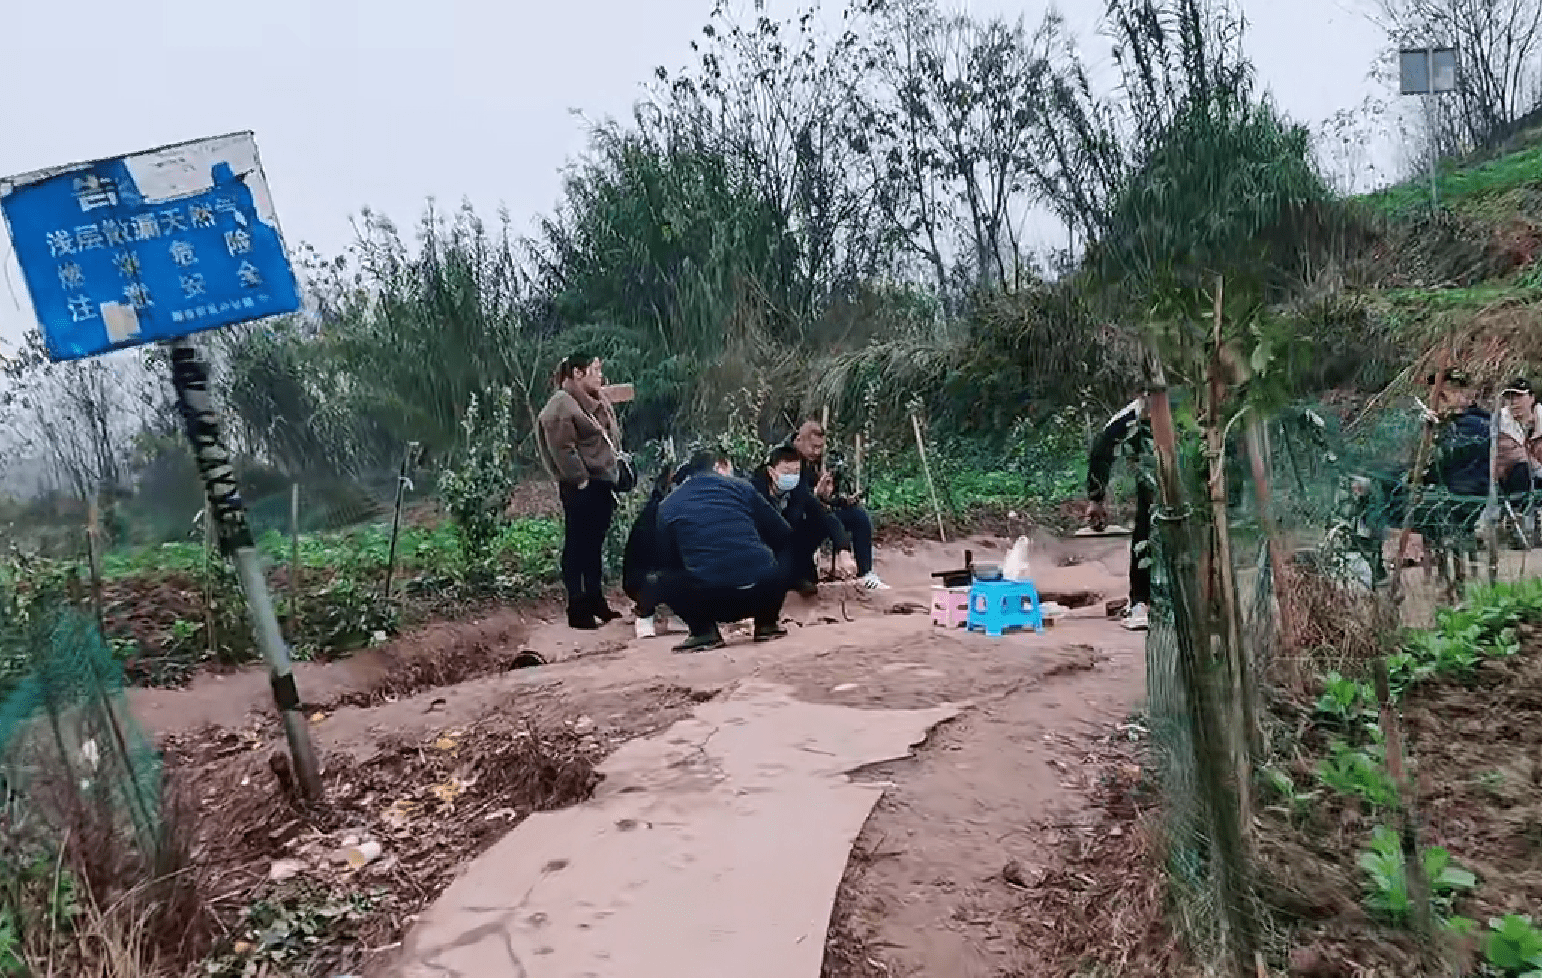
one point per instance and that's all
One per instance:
(768, 632)
(601, 609)
(581, 617)
(807, 589)
(702, 643)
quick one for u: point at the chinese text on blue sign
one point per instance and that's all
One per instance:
(149, 247)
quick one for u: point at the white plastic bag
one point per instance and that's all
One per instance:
(1015, 567)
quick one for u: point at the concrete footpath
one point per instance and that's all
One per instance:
(714, 848)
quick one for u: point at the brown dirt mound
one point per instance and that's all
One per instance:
(429, 805)
(437, 655)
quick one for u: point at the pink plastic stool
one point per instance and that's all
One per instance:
(950, 606)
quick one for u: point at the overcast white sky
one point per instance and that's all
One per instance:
(387, 102)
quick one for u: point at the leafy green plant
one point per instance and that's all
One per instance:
(1295, 802)
(1514, 946)
(1388, 884)
(11, 963)
(477, 489)
(1358, 774)
(1345, 701)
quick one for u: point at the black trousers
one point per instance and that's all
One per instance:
(586, 515)
(702, 606)
(797, 558)
(860, 526)
(1140, 547)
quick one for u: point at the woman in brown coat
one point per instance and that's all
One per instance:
(579, 437)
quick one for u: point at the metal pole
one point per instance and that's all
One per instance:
(1429, 117)
(396, 520)
(190, 378)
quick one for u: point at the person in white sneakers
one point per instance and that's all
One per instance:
(641, 559)
(824, 477)
(1129, 433)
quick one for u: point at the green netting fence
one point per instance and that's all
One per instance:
(74, 765)
(1338, 498)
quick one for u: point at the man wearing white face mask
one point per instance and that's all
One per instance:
(780, 480)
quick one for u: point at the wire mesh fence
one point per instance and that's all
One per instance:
(1324, 581)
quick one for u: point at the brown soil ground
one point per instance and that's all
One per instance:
(967, 867)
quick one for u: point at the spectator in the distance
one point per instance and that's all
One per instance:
(1520, 438)
(1462, 463)
(577, 433)
(780, 480)
(718, 540)
(825, 478)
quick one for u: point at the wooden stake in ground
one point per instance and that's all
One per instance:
(1258, 458)
(396, 519)
(294, 560)
(1244, 721)
(1416, 474)
(1413, 866)
(1491, 515)
(93, 562)
(857, 483)
(926, 468)
(210, 638)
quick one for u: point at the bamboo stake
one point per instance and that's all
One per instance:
(1413, 866)
(93, 562)
(294, 560)
(1416, 474)
(1258, 457)
(1245, 727)
(211, 639)
(926, 467)
(1218, 796)
(1491, 511)
(396, 520)
(858, 481)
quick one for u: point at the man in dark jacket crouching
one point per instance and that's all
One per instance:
(718, 541)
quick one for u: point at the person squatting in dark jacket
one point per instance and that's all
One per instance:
(641, 558)
(781, 482)
(1128, 432)
(718, 541)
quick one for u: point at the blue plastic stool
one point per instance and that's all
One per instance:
(996, 606)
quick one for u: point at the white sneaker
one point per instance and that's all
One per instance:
(645, 628)
(1135, 618)
(872, 582)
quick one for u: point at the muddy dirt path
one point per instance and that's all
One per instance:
(925, 892)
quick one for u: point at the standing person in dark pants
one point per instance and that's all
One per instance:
(718, 539)
(1130, 431)
(578, 436)
(823, 477)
